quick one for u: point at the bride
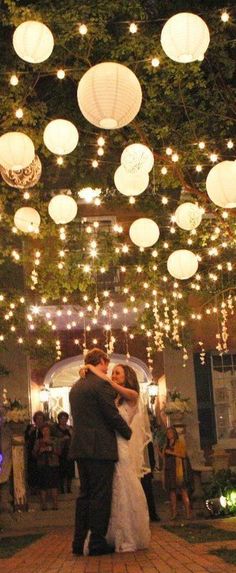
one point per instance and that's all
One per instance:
(128, 528)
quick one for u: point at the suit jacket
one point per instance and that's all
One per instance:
(95, 420)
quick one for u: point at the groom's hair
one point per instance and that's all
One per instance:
(95, 356)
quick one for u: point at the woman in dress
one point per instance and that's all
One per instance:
(128, 528)
(66, 465)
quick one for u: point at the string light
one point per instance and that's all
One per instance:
(164, 170)
(26, 195)
(133, 28)
(201, 145)
(175, 157)
(95, 163)
(155, 62)
(19, 113)
(132, 200)
(224, 17)
(214, 157)
(230, 144)
(169, 151)
(60, 160)
(101, 141)
(61, 74)
(83, 29)
(198, 168)
(14, 80)
(100, 151)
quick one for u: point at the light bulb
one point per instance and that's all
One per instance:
(94, 163)
(100, 151)
(198, 168)
(60, 74)
(213, 157)
(224, 17)
(26, 195)
(60, 160)
(83, 29)
(169, 151)
(163, 170)
(155, 62)
(175, 157)
(14, 80)
(230, 144)
(201, 145)
(101, 141)
(19, 113)
(132, 200)
(133, 28)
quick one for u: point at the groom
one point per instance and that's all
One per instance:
(94, 446)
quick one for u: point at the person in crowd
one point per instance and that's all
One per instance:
(177, 471)
(66, 465)
(96, 420)
(33, 432)
(146, 481)
(47, 451)
(128, 527)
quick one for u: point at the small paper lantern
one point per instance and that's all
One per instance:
(60, 136)
(130, 184)
(109, 95)
(137, 156)
(221, 184)
(182, 264)
(16, 150)
(27, 219)
(185, 38)
(188, 216)
(33, 42)
(144, 232)
(25, 178)
(62, 209)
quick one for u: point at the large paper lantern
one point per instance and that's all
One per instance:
(16, 150)
(109, 95)
(27, 219)
(182, 264)
(185, 37)
(130, 184)
(144, 232)
(33, 41)
(25, 178)
(62, 209)
(221, 184)
(60, 136)
(188, 216)
(137, 156)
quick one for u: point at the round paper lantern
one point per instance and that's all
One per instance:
(182, 264)
(188, 216)
(16, 150)
(144, 232)
(24, 178)
(137, 156)
(60, 136)
(27, 219)
(130, 184)
(62, 209)
(33, 41)
(109, 95)
(185, 37)
(221, 184)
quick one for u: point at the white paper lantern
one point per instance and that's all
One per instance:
(62, 209)
(188, 216)
(27, 219)
(182, 264)
(60, 136)
(16, 150)
(137, 156)
(109, 95)
(33, 41)
(130, 184)
(144, 232)
(185, 38)
(221, 184)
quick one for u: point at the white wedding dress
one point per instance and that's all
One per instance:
(129, 522)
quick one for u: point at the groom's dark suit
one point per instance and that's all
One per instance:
(94, 446)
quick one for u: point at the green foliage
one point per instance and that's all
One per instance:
(222, 483)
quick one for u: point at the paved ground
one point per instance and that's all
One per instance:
(167, 554)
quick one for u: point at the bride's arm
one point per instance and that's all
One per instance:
(127, 393)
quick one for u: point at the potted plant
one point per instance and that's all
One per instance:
(176, 406)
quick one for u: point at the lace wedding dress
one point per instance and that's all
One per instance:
(129, 522)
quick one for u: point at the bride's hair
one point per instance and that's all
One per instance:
(131, 380)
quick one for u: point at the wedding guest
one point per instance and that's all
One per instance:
(66, 465)
(33, 433)
(47, 451)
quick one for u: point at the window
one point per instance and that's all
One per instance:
(224, 388)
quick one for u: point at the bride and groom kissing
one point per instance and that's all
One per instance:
(111, 509)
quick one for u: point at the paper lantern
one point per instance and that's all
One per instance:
(182, 264)
(60, 136)
(25, 178)
(16, 150)
(130, 184)
(137, 156)
(33, 42)
(62, 209)
(144, 232)
(109, 95)
(27, 219)
(188, 216)
(185, 38)
(221, 184)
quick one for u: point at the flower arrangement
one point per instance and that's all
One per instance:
(14, 410)
(176, 403)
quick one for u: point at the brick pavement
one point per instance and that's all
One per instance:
(167, 554)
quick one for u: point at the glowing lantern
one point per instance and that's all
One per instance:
(221, 184)
(188, 216)
(109, 95)
(144, 232)
(185, 38)
(62, 209)
(27, 219)
(130, 184)
(33, 42)
(60, 136)
(137, 156)
(182, 264)
(16, 150)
